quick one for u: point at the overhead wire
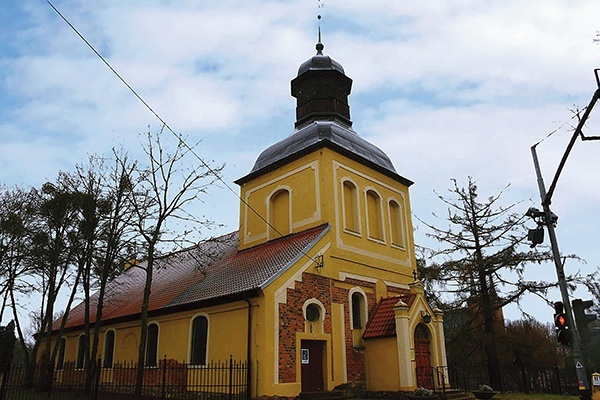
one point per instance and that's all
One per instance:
(168, 127)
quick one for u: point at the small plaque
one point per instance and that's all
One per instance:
(305, 356)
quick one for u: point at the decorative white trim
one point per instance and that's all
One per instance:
(402, 227)
(345, 275)
(365, 307)
(342, 202)
(339, 229)
(380, 220)
(314, 165)
(268, 200)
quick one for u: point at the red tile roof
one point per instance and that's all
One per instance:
(213, 271)
(383, 322)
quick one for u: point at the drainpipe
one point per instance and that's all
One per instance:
(248, 348)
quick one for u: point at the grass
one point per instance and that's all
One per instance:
(537, 396)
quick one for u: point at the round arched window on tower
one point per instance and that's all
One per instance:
(313, 313)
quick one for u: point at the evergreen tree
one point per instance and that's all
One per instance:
(479, 270)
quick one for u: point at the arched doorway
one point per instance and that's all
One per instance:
(423, 357)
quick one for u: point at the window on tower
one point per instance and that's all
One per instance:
(374, 215)
(350, 212)
(279, 213)
(396, 226)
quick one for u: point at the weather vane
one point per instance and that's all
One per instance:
(321, 5)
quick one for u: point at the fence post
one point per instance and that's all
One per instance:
(164, 383)
(230, 376)
(559, 384)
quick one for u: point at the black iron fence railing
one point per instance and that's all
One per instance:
(525, 379)
(170, 379)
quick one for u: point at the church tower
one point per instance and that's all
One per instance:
(324, 172)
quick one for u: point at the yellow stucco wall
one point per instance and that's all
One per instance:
(382, 364)
(174, 335)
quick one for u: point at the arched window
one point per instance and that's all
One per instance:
(358, 315)
(396, 223)
(152, 345)
(60, 360)
(374, 215)
(199, 340)
(109, 349)
(81, 351)
(357, 307)
(279, 213)
(350, 195)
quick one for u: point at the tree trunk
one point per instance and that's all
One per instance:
(144, 325)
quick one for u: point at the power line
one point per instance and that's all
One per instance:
(166, 125)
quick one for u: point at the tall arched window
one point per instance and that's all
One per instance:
(109, 349)
(60, 360)
(199, 340)
(152, 345)
(279, 213)
(396, 227)
(357, 318)
(374, 215)
(81, 352)
(358, 304)
(350, 206)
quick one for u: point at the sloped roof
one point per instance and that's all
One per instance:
(212, 272)
(383, 322)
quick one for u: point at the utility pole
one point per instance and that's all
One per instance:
(549, 219)
(580, 371)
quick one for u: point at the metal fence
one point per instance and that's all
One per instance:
(169, 379)
(514, 378)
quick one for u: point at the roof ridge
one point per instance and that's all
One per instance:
(282, 238)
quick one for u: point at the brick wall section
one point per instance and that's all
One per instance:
(291, 320)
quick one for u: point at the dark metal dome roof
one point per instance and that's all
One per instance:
(331, 134)
(320, 62)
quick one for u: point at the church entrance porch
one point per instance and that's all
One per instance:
(423, 357)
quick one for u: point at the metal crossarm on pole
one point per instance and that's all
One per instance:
(578, 132)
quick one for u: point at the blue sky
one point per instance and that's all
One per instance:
(446, 89)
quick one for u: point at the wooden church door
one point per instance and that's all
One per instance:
(423, 357)
(311, 354)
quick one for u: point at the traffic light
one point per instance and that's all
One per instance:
(582, 319)
(563, 333)
(536, 236)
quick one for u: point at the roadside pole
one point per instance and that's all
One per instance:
(549, 220)
(576, 346)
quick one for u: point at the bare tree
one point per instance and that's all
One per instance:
(102, 242)
(16, 216)
(51, 257)
(164, 192)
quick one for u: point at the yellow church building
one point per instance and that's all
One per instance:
(315, 290)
